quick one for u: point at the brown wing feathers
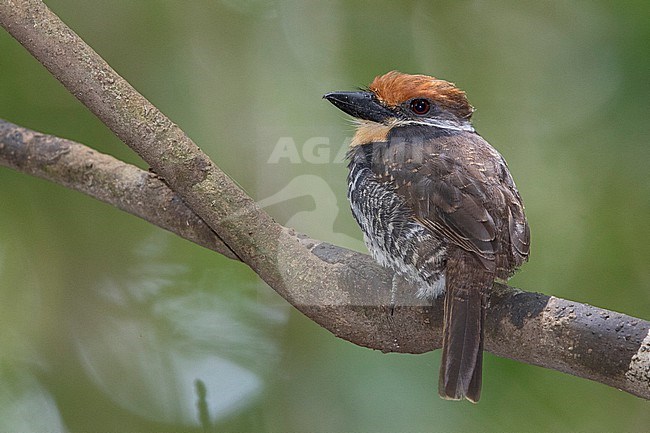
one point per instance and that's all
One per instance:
(437, 203)
(444, 196)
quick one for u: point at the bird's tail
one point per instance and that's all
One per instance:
(466, 287)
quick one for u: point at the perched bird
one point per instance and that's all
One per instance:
(437, 204)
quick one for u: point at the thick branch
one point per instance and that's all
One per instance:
(341, 290)
(250, 232)
(579, 339)
(105, 178)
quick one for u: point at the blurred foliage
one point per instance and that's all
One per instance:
(110, 324)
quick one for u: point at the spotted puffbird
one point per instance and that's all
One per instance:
(437, 204)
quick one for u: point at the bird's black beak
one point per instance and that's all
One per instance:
(362, 105)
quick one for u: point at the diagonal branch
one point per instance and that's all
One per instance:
(343, 291)
(105, 178)
(575, 338)
(250, 232)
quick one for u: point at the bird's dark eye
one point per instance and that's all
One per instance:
(420, 106)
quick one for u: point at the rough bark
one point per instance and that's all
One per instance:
(344, 291)
(575, 338)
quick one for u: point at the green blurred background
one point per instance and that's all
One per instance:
(111, 324)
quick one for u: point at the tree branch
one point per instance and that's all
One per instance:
(105, 178)
(344, 291)
(579, 339)
(250, 232)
